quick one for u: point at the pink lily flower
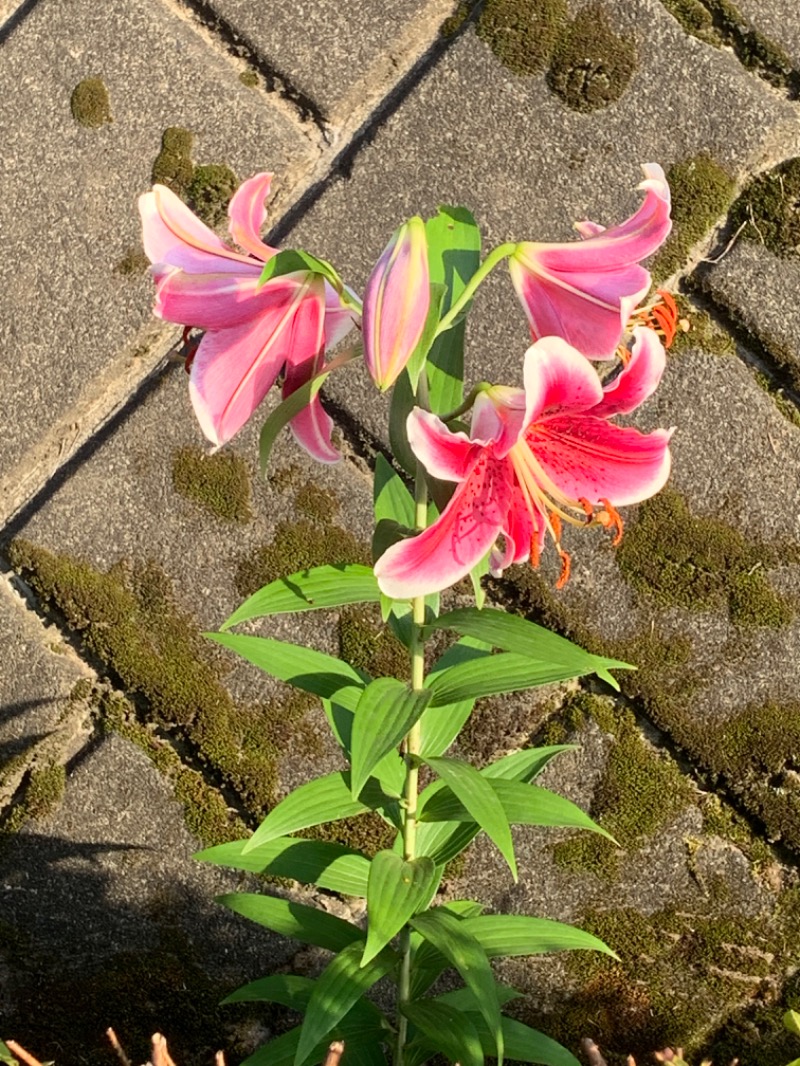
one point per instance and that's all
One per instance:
(396, 302)
(252, 332)
(585, 291)
(536, 457)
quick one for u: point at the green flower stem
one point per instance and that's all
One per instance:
(497, 255)
(412, 770)
(462, 408)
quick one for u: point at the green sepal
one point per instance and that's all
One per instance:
(311, 862)
(447, 1030)
(340, 985)
(384, 714)
(334, 585)
(480, 799)
(296, 920)
(397, 889)
(292, 261)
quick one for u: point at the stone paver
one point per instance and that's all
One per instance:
(67, 211)
(769, 17)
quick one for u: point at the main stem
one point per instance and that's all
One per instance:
(412, 771)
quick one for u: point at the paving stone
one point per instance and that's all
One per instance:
(527, 166)
(759, 290)
(68, 207)
(769, 17)
(337, 56)
(106, 885)
(38, 712)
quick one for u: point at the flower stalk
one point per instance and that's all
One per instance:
(497, 255)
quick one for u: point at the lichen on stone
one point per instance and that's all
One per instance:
(210, 190)
(367, 644)
(701, 194)
(522, 33)
(695, 18)
(592, 65)
(90, 104)
(249, 78)
(133, 263)
(219, 483)
(454, 22)
(767, 208)
(703, 332)
(173, 165)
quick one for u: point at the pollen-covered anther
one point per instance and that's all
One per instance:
(536, 552)
(555, 526)
(610, 518)
(661, 316)
(588, 509)
(566, 567)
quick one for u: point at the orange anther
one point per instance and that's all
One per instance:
(623, 354)
(566, 566)
(535, 551)
(588, 509)
(555, 525)
(610, 518)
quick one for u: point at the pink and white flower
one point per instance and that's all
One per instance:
(536, 457)
(585, 291)
(252, 332)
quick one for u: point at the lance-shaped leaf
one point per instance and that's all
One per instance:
(524, 1044)
(517, 934)
(312, 862)
(362, 1040)
(454, 252)
(523, 805)
(306, 924)
(448, 1031)
(343, 981)
(480, 799)
(289, 261)
(306, 669)
(506, 672)
(439, 726)
(310, 590)
(511, 633)
(463, 999)
(428, 962)
(450, 935)
(384, 714)
(391, 499)
(396, 891)
(323, 799)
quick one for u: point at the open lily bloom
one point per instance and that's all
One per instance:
(536, 458)
(252, 332)
(585, 291)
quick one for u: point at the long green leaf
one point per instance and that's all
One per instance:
(511, 633)
(290, 261)
(463, 999)
(480, 799)
(306, 669)
(428, 962)
(517, 934)
(310, 590)
(392, 501)
(384, 714)
(524, 1044)
(358, 1036)
(439, 726)
(306, 924)
(323, 799)
(288, 989)
(523, 805)
(343, 981)
(282, 415)
(452, 938)
(506, 672)
(312, 862)
(448, 1030)
(397, 889)
(6, 1056)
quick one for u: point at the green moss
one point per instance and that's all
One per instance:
(701, 194)
(210, 190)
(367, 644)
(753, 49)
(128, 618)
(317, 503)
(767, 208)
(132, 264)
(219, 483)
(695, 19)
(640, 791)
(453, 24)
(703, 332)
(522, 33)
(45, 790)
(591, 65)
(786, 407)
(680, 560)
(89, 103)
(298, 546)
(367, 833)
(723, 821)
(173, 165)
(249, 78)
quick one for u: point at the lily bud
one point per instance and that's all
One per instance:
(396, 303)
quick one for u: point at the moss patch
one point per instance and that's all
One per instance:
(640, 791)
(768, 209)
(522, 33)
(316, 503)
(249, 78)
(701, 194)
(42, 792)
(681, 560)
(128, 618)
(89, 103)
(786, 406)
(695, 18)
(703, 332)
(132, 264)
(210, 190)
(173, 165)
(754, 50)
(453, 24)
(367, 644)
(219, 483)
(591, 66)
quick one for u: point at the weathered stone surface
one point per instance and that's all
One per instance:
(769, 18)
(68, 206)
(339, 57)
(527, 166)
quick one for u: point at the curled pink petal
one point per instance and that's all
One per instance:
(638, 379)
(445, 455)
(172, 235)
(247, 215)
(211, 301)
(558, 379)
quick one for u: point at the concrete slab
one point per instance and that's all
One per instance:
(69, 307)
(41, 717)
(772, 21)
(528, 166)
(341, 58)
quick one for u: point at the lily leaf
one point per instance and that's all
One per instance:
(397, 889)
(309, 590)
(306, 924)
(384, 714)
(447, 1030)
